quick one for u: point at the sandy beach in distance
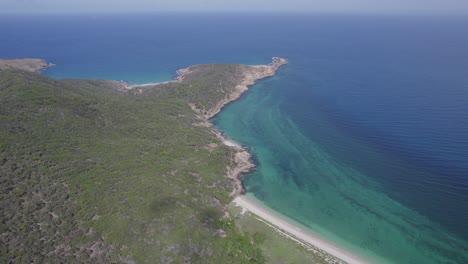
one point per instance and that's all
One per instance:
(304, 236)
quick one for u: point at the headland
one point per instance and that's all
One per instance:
(160, 133)
(243, 162)
(28, 64)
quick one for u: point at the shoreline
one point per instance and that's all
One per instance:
(294, 231)
(181, 73)
(244, 164)
(26, 64)
(263, 72)
(243, 161)
(241, 88)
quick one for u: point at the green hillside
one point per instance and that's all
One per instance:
(90, 173)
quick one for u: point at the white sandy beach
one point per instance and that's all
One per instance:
(303, 235)
(242, 158)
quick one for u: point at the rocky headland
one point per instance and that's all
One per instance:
(27, 64)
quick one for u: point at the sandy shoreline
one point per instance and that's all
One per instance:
(304, 236)
(180, 77)
(244, 164)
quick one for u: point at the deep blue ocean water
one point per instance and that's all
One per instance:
(363, 137)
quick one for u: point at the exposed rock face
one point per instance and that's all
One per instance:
(30, 65)
(243, 164)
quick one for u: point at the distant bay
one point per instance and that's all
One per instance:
(363, 137)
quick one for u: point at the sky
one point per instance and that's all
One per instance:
(303, 6)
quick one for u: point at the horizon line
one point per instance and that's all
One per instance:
(237, 12)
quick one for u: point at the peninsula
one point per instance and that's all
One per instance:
(30, 65)
(100, 171)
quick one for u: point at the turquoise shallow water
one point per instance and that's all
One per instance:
(298, 178)
(363, 137)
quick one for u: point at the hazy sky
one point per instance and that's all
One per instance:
(315, 6)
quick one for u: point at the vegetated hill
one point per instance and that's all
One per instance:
(92, 173)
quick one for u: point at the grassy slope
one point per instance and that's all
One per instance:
(91, 174)
(278, 248)
(86, 170)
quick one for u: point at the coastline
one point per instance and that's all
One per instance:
(181, 74)
(242, 159)
(26, 64)
(252, 74)
(244, 164)
(294, 231)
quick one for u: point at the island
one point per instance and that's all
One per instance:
(106, 172)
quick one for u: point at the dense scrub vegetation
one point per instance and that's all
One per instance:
(90, 173)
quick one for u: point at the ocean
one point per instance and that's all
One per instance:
(362, 137)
